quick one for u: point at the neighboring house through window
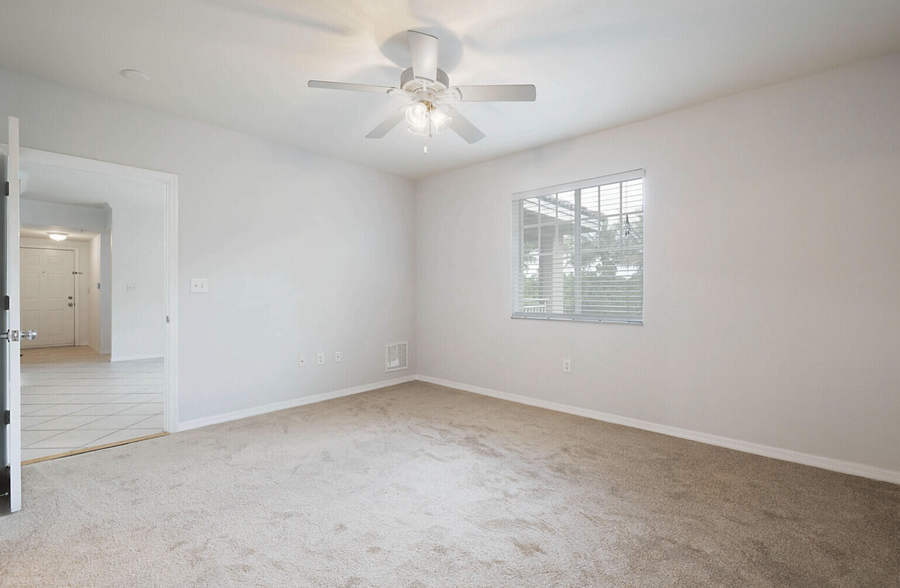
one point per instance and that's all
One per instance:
(578, 250)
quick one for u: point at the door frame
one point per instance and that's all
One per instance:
(170, 181)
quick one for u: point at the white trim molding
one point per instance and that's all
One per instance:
(816, 461)
(94, 348)
(293, 403)
(137, 357)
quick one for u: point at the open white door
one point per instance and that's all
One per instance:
(9, 352)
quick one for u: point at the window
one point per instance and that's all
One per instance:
(578, 250)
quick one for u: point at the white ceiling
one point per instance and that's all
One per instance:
(49, 183)
(244, 64)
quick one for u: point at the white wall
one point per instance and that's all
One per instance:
(138, 282)
(303, 253)
(772, 259)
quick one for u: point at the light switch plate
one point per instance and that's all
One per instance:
(199, 285)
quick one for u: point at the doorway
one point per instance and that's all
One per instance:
(101, 370)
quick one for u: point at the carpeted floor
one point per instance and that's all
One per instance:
(419, 485)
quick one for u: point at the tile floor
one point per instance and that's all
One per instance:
(73, 398)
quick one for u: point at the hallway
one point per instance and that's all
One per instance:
(73, 398)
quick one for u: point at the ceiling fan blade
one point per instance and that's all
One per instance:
(345, 86)
(463, 127)
(424, 50)
(510, 93)
(387, 124)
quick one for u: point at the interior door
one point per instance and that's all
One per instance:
(9, 357)
(48, 296)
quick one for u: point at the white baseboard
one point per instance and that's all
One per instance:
(826, 463)
(293, 403)
(135, 357)
(95, 349)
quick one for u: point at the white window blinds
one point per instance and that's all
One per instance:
(578, 250)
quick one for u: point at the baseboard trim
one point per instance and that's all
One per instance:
(135, 357)
(95, 349)
(826, 463)
(293, 403)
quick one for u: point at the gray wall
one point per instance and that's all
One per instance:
(772, 260)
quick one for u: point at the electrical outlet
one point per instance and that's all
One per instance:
(130, 287)
(567, 366)
(302, 361)
(320, 359)
(337, 357)
(199, 285)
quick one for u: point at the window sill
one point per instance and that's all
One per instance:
(578, 319)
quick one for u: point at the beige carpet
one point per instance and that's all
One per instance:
(419, 485)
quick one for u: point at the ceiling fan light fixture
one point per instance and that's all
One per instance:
(428, 88)
(440, 120)
(58, 236)
(421, 130)
(417, 115)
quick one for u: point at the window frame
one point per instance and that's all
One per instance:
(519, 229)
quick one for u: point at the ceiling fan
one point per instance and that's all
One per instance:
(428, 89)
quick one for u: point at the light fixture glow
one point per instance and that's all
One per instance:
(417, 115)
(440, 120)
(424, 119)
(58, 236)
(422, 131)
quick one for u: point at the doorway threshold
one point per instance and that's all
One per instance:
(90, 449)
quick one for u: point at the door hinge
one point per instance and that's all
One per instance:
(6, 303)
(7, 418)
(167, 320)
(6, 189)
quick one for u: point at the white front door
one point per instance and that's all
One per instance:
(9, 346)
(48, 296)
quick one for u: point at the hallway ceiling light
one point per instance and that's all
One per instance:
(135, 75)
(58, 236)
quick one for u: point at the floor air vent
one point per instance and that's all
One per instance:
(396, 357)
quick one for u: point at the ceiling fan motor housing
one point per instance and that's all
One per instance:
(410, 83)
